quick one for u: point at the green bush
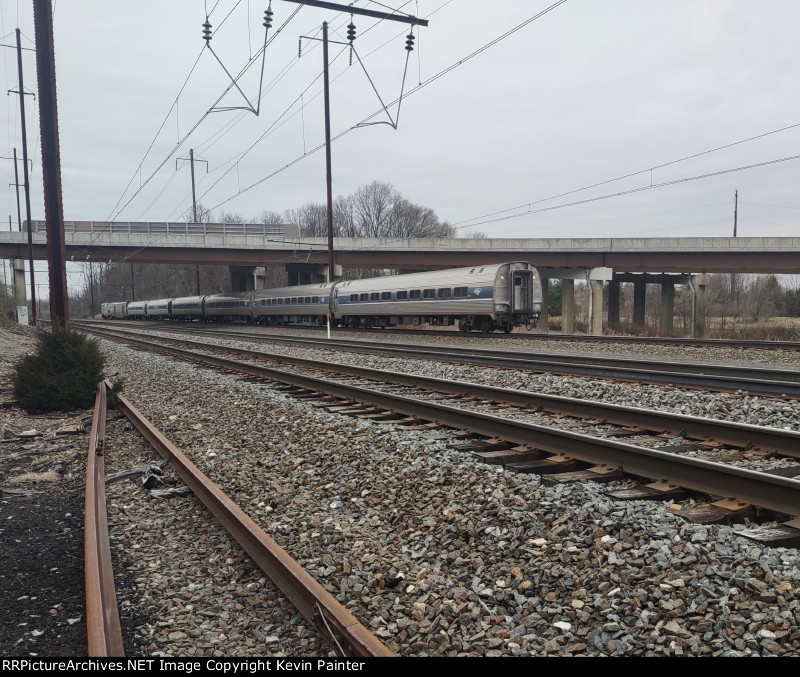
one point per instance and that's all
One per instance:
(61, 375)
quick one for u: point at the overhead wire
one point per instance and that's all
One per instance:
(233, 162)
(412, 91)
(632, 174)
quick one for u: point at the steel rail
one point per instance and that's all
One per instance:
(699, 375)
(103, 630)
(321, 609)
(760, 344)
(779, 494)
(742, 435)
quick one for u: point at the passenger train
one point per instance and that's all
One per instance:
(483, 298)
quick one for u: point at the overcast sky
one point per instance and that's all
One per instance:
(593, 90)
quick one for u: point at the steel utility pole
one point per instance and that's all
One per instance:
(51, 161)
(352, 10)
(192, 160)
(133, 285)
(34, 313)
(735, 212)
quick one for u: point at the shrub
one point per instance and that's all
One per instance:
(61, 375)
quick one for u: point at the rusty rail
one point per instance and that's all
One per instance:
(104, 634)
(337, 625)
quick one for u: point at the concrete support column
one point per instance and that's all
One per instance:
(544, 314)
(639, 293)
(567, 306)
(20, 291)
(597, 307)
(701, 283)
(259, 278)
(667, 307)
(613, 306)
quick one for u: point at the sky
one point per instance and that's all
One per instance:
(590, 91)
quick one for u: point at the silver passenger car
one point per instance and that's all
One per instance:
(228, 307)
(303, 304)
(158, 309)
(136, 309)
(187, 308)
(486, 297)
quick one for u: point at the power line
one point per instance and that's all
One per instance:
(233, 162)
(632, 174)
(414, 90)
(635, 190)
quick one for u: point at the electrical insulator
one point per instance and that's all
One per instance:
(410, 42)
(300, 48)
(267, 18)
(351, 32)
(207, 31)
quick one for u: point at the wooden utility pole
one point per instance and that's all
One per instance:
(133, 285)
(51, 161)
(735, 212)
(27, 185)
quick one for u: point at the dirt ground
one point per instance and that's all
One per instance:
(41, 521)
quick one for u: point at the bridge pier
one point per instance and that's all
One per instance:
(567, 306)
(613, 306)
(596, 318)
(544, 314)
(639, 295)
(20, 291)
(700, 283)
(247, 278)
(667, 308)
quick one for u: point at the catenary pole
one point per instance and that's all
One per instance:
(51, 161)
(25, 178)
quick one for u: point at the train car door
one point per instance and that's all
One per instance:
(521, 296)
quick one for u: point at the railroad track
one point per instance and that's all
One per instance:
(525, 446)
(720, 377)
(585, 338)
(335, 624)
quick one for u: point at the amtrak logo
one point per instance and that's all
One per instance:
(477, 292)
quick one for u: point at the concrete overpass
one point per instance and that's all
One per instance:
(248, 247)
(118, 242)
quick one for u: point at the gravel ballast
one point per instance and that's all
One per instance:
(739, 407)
(441, 555)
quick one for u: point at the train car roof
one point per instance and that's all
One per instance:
(431, 278)
(298, 290)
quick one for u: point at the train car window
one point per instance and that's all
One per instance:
(402, 295)
(415, 294)
(460, 292)
(444, 293)
(353, 298)
(517, 281)
(308, 299)
(428, 293)
(386, 296)
(374, 296)
(315, 299)
(363, 297)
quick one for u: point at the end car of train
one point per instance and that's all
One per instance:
(484, 298)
